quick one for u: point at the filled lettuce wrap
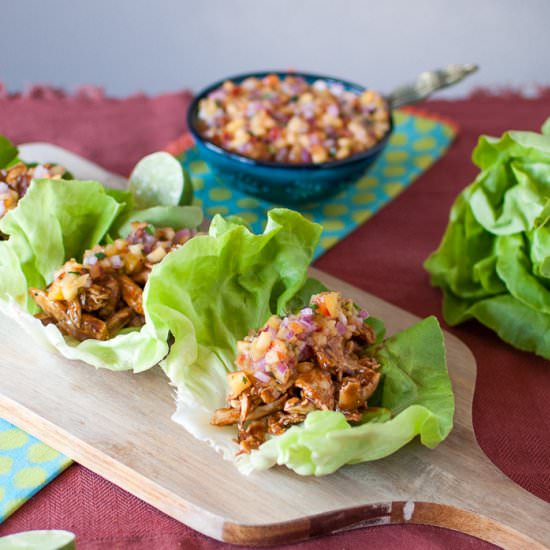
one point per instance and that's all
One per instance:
(288, 408)
(16, 175)
(65, 256)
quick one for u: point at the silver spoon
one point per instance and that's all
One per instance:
(429, 82)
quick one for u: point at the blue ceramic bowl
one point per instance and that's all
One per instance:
(283, 183)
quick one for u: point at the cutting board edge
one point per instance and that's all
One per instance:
(373, 515)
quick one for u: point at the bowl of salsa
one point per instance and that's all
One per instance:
(289, 138)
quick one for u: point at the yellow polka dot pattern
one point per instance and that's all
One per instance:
(417, 141)
(26, 465)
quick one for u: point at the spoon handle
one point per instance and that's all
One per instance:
(427, 83)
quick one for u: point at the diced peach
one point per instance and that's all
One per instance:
(120, 244)
(71, 283)
(55, 293)
(331, 303)
(132, 262)
(157, 255)
(242, 346)
(271, 80)
(263, 341)
(274, 322)
(272, 357)
(237, 382)
(110, 250)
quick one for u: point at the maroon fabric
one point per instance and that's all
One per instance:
(112, 132)
(511, 413)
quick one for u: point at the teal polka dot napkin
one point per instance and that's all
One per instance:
(26, 465)
(417, 142)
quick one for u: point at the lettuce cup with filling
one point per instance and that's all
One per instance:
(272, 368)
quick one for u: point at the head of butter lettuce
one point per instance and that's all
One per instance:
(58, 220)
(211, 292)
(493, 263)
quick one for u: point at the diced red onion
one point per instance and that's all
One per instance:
(182, 234)
(41, 172)
(333, 110)
(363, 314)
(90, 260)
(260, 365)
(342, 318)
(341, 328)
(337, 89)
(262, 376)
(307, 324)
(148, 243)
(306, 312)
(217, 94)
(4, 187)
(281, 368)
(305, 156)
(116, 261)
(281, 154)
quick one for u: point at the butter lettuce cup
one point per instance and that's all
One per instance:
(273, 368)
(74, 269)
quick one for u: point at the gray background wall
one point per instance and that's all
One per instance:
(155, 46)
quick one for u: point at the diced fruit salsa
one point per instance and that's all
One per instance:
(103, 294)
(312, 360)
(290, 121)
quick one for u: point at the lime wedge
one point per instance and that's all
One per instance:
(187, 193)
(160, 180)
(39, 540)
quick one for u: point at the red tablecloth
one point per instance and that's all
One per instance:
(511, 406)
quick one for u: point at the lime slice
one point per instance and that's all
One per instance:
(39, 540)
(187, 193)
(160, 180)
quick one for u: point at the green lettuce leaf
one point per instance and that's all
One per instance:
(516, 271)
(213, 290)
(539, 250)
(177, 217)
(493, 263)
(8, 152)
(521, 326)
(231, 282)
(506, 196)
(56, 221)
(461, 264)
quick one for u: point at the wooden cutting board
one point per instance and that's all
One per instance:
(118, 425)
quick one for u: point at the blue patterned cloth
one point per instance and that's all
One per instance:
(416, 143)
(26, 465)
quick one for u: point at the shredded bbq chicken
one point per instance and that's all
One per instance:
(103, 294)
(312, 360)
